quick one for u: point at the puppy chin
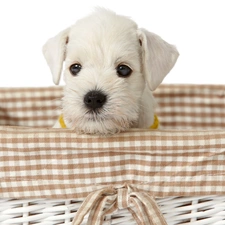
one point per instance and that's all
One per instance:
(101, 126)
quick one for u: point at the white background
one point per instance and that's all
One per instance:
(196, 27)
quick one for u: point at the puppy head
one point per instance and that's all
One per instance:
(108, 61)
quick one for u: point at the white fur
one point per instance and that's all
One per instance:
(100, 42)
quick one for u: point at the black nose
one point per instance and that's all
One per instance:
(94, 99)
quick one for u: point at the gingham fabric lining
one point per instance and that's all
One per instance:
(191, 106)
(60, 164)
(51, 163)
(33, 107)
(180, 106)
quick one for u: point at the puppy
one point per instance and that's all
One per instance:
(111, 68)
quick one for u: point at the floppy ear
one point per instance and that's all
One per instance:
(54, 52)
(158, 57)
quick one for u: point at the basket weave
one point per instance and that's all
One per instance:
(51, 176)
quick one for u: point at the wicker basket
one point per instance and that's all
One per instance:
(170, 176)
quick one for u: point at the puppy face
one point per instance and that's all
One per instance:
(104, 83)
(110, 69)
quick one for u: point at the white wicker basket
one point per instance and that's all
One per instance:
(178, 210)
(185, 173)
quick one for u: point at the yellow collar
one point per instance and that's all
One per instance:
(155, 124)
(61, 121)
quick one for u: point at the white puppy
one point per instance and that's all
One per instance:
(111, 68)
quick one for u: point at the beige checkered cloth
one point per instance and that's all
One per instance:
(127, 170)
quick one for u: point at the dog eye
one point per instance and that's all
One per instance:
(75, 69)
(123, 71)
